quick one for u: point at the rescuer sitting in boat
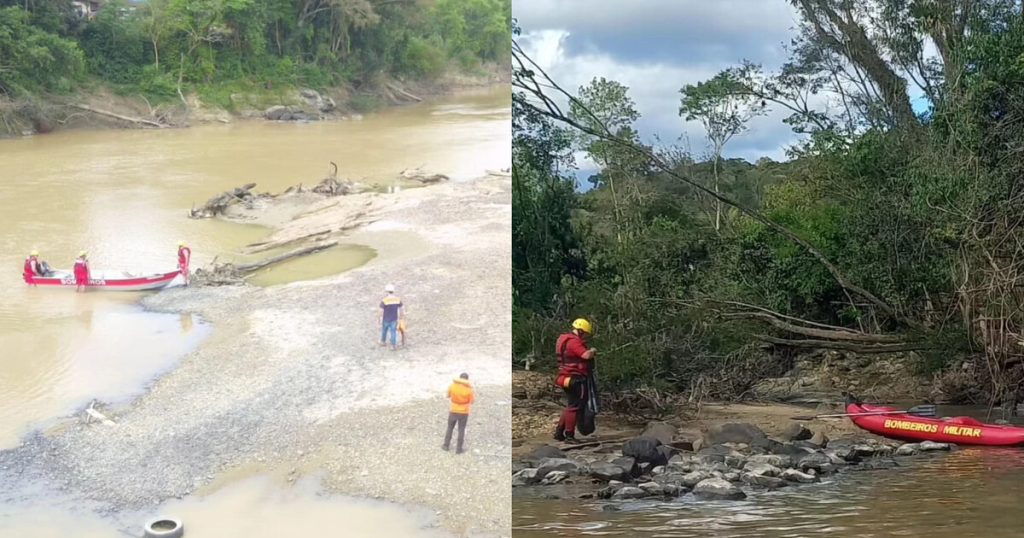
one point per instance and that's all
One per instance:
(34, 267)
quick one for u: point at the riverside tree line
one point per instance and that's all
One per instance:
(885, 231)
(217, 46)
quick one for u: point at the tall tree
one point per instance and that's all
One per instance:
(722, 107)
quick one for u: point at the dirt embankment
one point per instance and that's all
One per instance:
(294, 383)
(100, 108)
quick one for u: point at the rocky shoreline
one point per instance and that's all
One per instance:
(730, 461)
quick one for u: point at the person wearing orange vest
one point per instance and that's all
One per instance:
(81, 271)
(461, 395)
(184, 257)
(575, 362)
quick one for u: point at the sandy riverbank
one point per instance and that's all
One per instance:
(293, 383)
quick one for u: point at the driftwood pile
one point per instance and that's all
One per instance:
(218, 204)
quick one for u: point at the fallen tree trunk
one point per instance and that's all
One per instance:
(109, 114)
(845, 346)
(827, 334)
(404, 93)
(250, 267)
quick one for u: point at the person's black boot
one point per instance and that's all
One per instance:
(559, 434)
(571, 439)
(444, 447)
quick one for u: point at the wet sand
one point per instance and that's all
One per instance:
(293, 383)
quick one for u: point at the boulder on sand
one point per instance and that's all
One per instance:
(608, 472)
(797, 432)
(662, 431)
(733, 432)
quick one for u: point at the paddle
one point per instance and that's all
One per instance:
(917, 410)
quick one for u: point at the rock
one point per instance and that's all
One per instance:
(629, 492)
(554, 477)
(525, 477)
(697, 444)
(797, 432)
(666, 453)
(607, 491)
(518, 466)
(645, 468)
(652, 488)
(814, 461)
(328, 105)
(928, 446)
(875, 464)
(775, 460)
(731, 476)
(658, 470)
(548, 465)
(692, 479)
(608, 471)
(644, 449)
(543, 452)
(733, 433)
(672, 490)
(717, 488)
(275, 112)
(764, 481)
(684, 444)
(865, 450)
(627, 464)
(664, 432)
(818, 440)
(846, 453)
(761, 469)
(309, 94)
(793, 475)
(908, 449)
(736, 460)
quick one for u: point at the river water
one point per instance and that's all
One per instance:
(973, 492)
(123, 196)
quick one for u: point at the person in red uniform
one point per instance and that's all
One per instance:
(81, 271)
(574, 365)
(33, 267)
(184, 256)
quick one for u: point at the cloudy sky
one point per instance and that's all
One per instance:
(656, 47)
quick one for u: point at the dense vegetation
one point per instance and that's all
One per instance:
(159, 46)
(885, 231)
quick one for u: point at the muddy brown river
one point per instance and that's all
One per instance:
(973, 492)
(123, 196)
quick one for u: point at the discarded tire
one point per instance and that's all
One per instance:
(164, 527)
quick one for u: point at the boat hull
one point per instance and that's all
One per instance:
(107, 282)
(958, 430)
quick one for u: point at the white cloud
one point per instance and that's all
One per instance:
(654, 86)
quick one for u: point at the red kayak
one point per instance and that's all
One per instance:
(111, 281)
(958, 430)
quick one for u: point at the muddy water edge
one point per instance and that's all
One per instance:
(969, 492)
(123, 196)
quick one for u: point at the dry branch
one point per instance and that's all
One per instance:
(119, 116)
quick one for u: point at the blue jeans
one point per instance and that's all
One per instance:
(389, 327)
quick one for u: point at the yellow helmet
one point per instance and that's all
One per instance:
(34, 253)
(181, 243)
(583, 325)
(82, 254)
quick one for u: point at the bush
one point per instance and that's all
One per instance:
(422, 58)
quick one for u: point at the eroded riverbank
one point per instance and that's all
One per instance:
(292, 381)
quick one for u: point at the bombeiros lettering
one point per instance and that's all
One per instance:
(907, 425)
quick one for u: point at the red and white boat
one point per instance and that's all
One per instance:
(106, 280)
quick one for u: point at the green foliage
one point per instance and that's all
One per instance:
(244, 43)
(32, 59)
